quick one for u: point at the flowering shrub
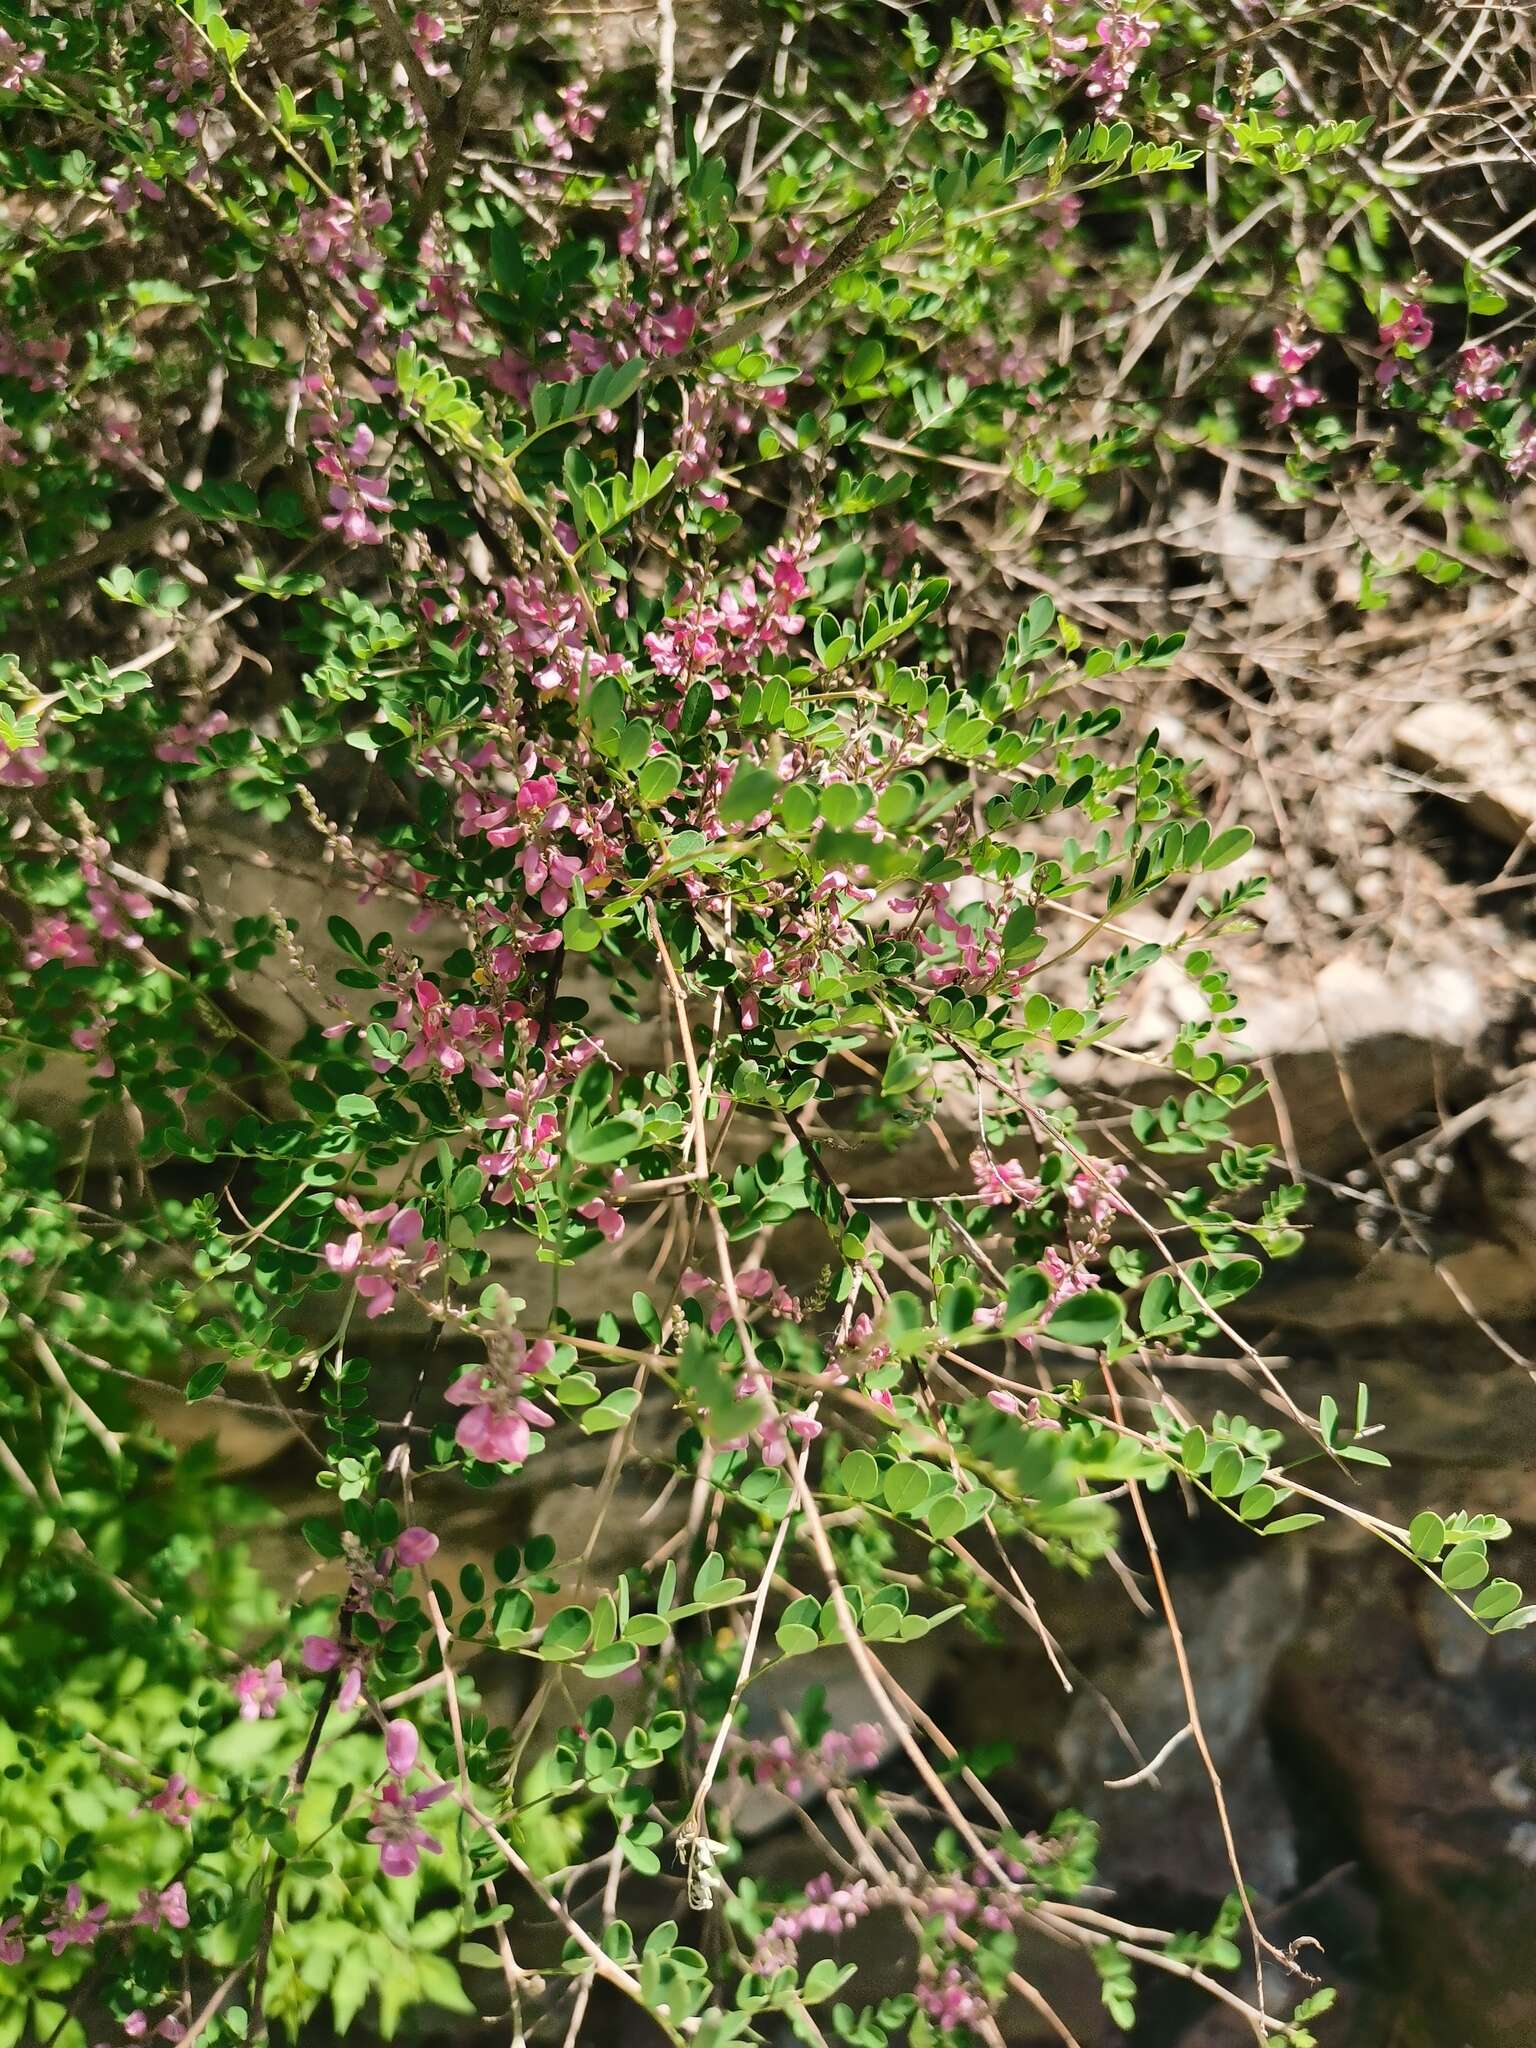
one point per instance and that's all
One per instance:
(537, 492)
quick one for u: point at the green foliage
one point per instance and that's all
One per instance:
(574, 567)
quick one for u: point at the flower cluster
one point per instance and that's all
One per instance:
(499, 1416)
(1407, 333)
(840, 1756)
(521, 808)
(829, 1909)
(713, 635)
(17, 64)
(1000, 1181)
(395, 1826)
(1285, 388)
(1121, 37)
(259, 1689)
(356, 498)
(381, 1266)
(1480, 372)
(185, 740)
(951, 1998)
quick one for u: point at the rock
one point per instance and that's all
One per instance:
(1503, 1148)
(1403, 1041)
(1453, 1642)
(848, 1704)
(1350, 1283)
(1411, 1764)
(1166, 1831)
(1463, 751)
(1253, 561)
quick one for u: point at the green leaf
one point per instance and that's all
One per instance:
(866, 362)
(1090, 1319)
(906, 1488)
(1426, 1535)
(795, 1639)
(580, 930)
(566, 1634)
(659, 778)
(1227, 1473)
(617, 1657)
(207, 1379)
(1497, 1599)
(947, 1516)
(858, 1476)
(321, 1537)
(1225, 848)
(1466, 1566)
(596, 1144)
(797, 809)
(751, 791)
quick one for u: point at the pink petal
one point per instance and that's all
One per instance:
(400, 1745)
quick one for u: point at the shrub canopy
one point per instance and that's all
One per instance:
(578, 886)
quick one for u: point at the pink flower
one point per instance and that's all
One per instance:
(17, 64)
(333, 236)
(258, 1688)
(404, 1255)
(12, 1947)
(22, 767)
(1522, 458)
(1066, 1279)
(166, 1908)
(601, 1212)
(1122, 37)
(395, 1828)
(426, 32)
(175, 1801)
(74, 1925)
(1093, 1187)
(855, 1750)
(1412, 329)
(323, 1653)
(59, 938)
(1480, 372)
(1004, 1180)
(136, 2026)
(774, 1432)
(1282, 386)
(952, 2001)
(1408, 333)
(182, 742)
(496, 1427)
(400, 1745)
(86, 1038)
(828, 1910)
(414, 1546)
(605, 1217)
